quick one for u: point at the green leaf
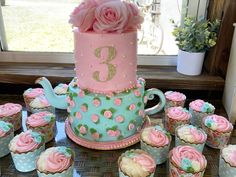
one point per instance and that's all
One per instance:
(92, 130)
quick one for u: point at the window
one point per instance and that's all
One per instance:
(31, 29)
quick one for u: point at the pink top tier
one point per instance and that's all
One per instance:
(105, 62)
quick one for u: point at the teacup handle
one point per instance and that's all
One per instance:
(149, 94)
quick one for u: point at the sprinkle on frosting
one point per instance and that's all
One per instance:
(61, 89)
(155, 136)
(40, 102)
(55, 160)
(9, 109)
(175, 96)
(218, 123)
(40, 119)
(137, 163)
(25, 142)
(188, 159)
(229, 154)
(178, 113)
(191, 134)
(33, 92)
(202, 106)
(5, 127)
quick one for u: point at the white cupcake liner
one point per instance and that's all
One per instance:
(26, 162)
(4, 141)
(65, 173)
(160, 154)
(225, 169)
(121, 174)
(197, 117)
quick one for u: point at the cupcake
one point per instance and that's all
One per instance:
(176, 116)
(174, 99)
(42, 122)
(11, 112)
(227, 165)
(6, 134)
(218, 130)
(136, 163)
(156, 141)
(186, 161)
(25, 148)
(200, 109)
(191, 136)
(61, 89)
(40, 104)
(56, 162)
(31, 94)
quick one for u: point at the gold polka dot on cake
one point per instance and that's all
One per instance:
(123, 56)
(131, 43)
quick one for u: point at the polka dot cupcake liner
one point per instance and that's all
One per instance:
(27, 102)
(26, 162)
(225, 169)
(15, 120)
(49, 109)
(170, 103)
(172, 124)
(160, 154)
(65, 173)
(197, 117)
(4, 141)
(179, 141)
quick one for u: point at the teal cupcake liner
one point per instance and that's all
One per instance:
(197, 117)
(160, 154)
(4, 141)
(225, 169)
(26, 162)
(198, 147)
(121, 174)
(65, 173)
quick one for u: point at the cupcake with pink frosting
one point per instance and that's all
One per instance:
(136, 163)
(61, 89)
(227, 165)
(200, 109)
(186, 161)
(174, 99)
(191, 136)
(156, 141)
(25, 148)
(42, 122)
(30, 94)
(56, 162)
(6, 135)
(11, 112)
(40, 104)
(176, 116)
(218, 130)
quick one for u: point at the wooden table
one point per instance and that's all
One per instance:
(93, 163)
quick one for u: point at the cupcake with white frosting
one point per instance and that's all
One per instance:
(56, 162)
(186, 161)
(42, 122)
(176, 116)
(136, 163)
(191, 136)
(6, 135)
(227, 165)
(174, 99)
(11, 112)
(218, 130)
(156, 141)
(25, 148)
(40, 104)
(30, 94)
(200, 109)
(61, 89)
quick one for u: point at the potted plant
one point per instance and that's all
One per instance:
(193, 39)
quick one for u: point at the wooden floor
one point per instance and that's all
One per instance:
(93, 163)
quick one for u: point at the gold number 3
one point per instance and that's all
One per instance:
(111, 67)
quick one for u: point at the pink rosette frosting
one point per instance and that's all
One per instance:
(26, 142)
(9, 109)
(178, 113)
(175, 96)
(32, 93)
(37, 119)
(229, 154)
(197, 105)
(218, 123)
(57, 162)
(181, 153)
(145, 161)
(158, 138)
